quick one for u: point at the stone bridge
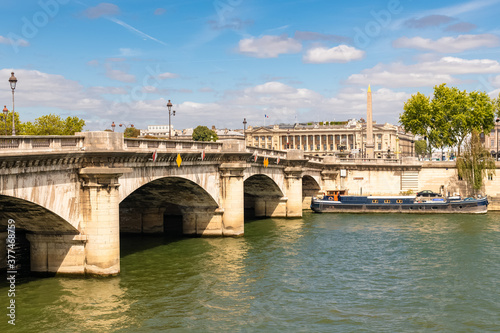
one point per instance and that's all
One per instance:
(73, 195)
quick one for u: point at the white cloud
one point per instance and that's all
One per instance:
(340, 54)
(10, 41)
(448, 44)
(269, 46)
(167, 75)
(102, 9)
(118, 75)
(427, 73)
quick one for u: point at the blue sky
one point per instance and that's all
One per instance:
(224, 60)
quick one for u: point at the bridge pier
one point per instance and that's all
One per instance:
(152, 220)
(271, 207)
(293, 177)
(232, 199)
(101, 221)
(202, 222)
(62, 254)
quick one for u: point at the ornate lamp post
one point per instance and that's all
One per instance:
(5, 113)
(169, 106)
(13, 82)
(113, 126)
(245, 129)
(497, 136)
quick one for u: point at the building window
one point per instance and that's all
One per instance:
(331, 147)
(379, 146)
(492, 142)
(490, 176)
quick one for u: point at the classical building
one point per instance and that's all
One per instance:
(492, 141)
(159, 131)
(344, 139)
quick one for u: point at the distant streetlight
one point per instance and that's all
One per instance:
(13, 82)
(169, 106)
(5, 113)
(497, 136)
(127, 125)
(113, 126)
(244, 129)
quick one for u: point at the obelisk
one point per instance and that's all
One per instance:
(369, 125)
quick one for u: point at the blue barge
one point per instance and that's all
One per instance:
(339, 202)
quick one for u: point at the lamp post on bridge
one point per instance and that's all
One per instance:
(5, 113)
(113, 126)
(245, 130)
(497, 136)
(13, 82)
(169, 106)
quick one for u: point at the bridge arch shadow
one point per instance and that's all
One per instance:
(38, 232)
(169, 205)
(310, 188)
(262, 197)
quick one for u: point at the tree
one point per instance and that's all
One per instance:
(449, 117)
(420, 147)
(6, 124)
(417, 117)
(202, 133)
(475, 163)
(53, 125)
(131, 132)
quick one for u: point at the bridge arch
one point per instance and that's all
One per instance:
(170, 204)
(263, 196)
(310, 188)
(44, 241)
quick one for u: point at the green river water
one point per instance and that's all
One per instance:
(321, 273)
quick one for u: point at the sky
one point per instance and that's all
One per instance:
(222, 61)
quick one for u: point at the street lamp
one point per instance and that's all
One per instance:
(113, 126)
(5, 113)
(169, 106)
(13, 82)
(497, 136)
(245, 129)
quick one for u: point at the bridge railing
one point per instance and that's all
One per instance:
(46, 143)
(266, 152)
(177, 145)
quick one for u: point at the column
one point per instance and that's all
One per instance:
(101, 225)
(293, 177)
(232, 198)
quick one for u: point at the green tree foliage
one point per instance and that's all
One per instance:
(449, 117)
(53, 125)
(202, 133)
(475, 163)
(131, 132)
(6, 124)
(420, 147)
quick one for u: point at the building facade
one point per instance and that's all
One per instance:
(159, 131)
(348, 139)
(492, 141)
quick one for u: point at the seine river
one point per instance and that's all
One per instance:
(321, 273)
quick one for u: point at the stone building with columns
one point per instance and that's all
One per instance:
(346, 139)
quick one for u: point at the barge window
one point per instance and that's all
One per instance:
(374, 201)
(399, 201)
(387, 201)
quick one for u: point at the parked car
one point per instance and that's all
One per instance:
(428, 193)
